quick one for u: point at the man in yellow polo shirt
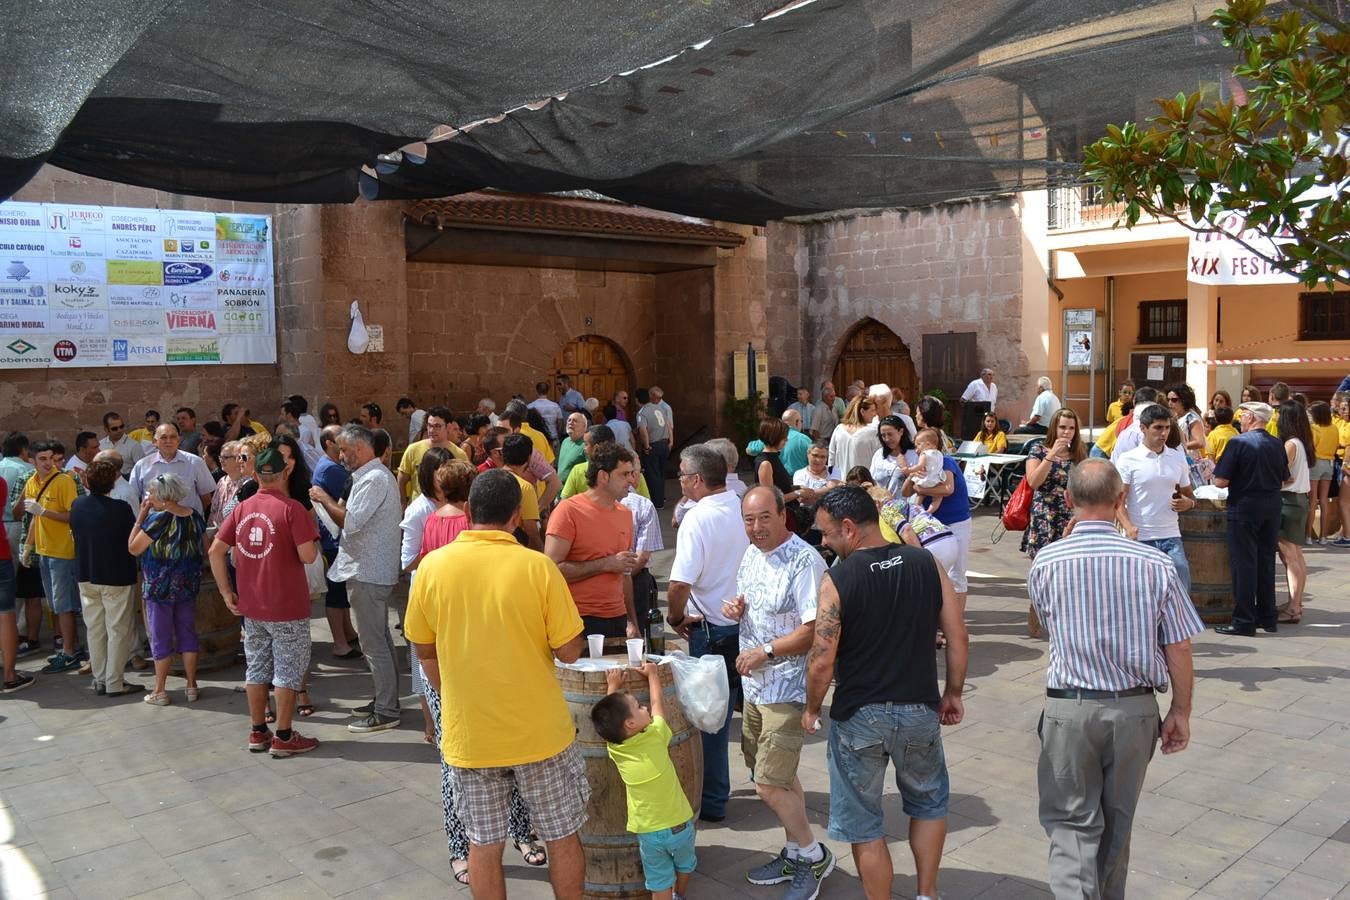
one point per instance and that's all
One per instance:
(442, 431)
(514, 417)
(48, 497)
(486, 612)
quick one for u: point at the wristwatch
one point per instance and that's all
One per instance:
(768, 650)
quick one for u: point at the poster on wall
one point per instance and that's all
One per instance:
(95, 286)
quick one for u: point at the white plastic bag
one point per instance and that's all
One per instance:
(701, 684)
(314, 574)
(359, 339)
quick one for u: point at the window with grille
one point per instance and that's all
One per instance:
(1162, 322)
(1324, 316)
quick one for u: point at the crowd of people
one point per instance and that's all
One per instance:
(839, 562)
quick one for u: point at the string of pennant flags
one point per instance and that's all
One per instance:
(993, 138)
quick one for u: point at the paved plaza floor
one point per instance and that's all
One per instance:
(112, 798)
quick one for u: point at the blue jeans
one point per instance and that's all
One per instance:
(1177, 553)
(716, 766)
(61, 583)
(907, 735)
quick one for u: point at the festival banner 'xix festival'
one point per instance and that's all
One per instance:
(84, 286)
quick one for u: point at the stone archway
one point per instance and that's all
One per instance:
(875, 354)
(598, 368)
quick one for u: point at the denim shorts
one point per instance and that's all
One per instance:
(666, 852)
(907, 735)
(8, 586)
(60, 582)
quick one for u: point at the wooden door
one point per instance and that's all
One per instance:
(596, 368)
(876, 355)
(949, 364)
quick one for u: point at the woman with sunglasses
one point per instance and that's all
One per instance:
(1181, 404)
(228, 485)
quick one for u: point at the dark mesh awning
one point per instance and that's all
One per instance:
(707, 108)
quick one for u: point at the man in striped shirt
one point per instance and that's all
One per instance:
(1120, 625)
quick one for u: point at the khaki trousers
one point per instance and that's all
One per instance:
(1094, 754)
(110, 617)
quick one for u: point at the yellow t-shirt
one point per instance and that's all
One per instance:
(995, 443)
(1272, 426)
(1326, 440)
(52, 538)
(1106, 441)
(1113, 412)
(496, 612)
(412, 458)
(540, 442)
(1343, 426)
(1218, 439)
(529, 501)
(655, 798)
(576, 482)
(144, 435)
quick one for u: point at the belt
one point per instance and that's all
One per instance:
(1084, 694)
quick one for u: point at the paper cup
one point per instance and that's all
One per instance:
(597, 645)
(634, 651)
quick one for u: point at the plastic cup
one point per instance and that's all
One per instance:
(634, 651)
(597, 645)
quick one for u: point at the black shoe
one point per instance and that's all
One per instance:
(367, 709)
(100, 690)
(127, 688)
(1270, 629)
(709, 817)
(1235, 630)
(20, 682)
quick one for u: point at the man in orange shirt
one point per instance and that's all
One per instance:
(590, 537)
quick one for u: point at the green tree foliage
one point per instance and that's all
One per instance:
(1274, 153)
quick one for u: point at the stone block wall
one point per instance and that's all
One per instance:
(59, 402)
(685, 354)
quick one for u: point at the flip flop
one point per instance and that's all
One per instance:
(353, 653)
(1288, 618)
(304, 710)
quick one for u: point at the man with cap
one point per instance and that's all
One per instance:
(274, 538)
(1253, 468)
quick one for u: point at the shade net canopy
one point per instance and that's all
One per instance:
(730, 109)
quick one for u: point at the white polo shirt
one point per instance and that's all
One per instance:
(708, 551)
(1150, 479)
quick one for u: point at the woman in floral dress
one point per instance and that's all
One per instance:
(1048, 474)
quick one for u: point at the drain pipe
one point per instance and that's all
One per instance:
(1050, 276)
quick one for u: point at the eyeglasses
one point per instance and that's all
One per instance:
(114, 429)
(1173, 399)
(243, 457)
(684, 475)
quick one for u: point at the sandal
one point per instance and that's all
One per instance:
(461, 869)
(532, 851)
(193, 694)
(270, 717)
(941, 640)
(1290, 618)
(160, 698)
(304, 710)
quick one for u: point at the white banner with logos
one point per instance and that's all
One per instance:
(92, 286)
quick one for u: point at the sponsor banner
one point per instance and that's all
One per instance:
(63, 295)
(251, 229)
(189, 324)
(116, 286)
(134, 246)
(78, 271)
(27, 217)
(22, 309)
(76, 219)
(78, 321)
(248, 348)
(181, 273)
(138, 350)
(236, 321)
(23, 269)
(78, 350)
(135, 271)
(26, 351)
(132, 322)
(189, 298)
(243, 273)
(136, 297)
(85, 246)
(191, 351)
(19, 243)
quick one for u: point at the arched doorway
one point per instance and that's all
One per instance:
(597, 367)
(875, 354)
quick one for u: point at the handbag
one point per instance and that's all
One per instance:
(1017, 514)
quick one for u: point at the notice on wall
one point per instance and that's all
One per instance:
(93, 286)
(1080, 349)
(1155, 368)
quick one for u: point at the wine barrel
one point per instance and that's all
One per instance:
(217, 629)
(1204, 535)
(613, 865)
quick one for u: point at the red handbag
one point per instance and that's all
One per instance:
(1017, 513)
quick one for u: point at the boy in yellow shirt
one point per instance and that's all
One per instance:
(638, 740)
(1222, 433)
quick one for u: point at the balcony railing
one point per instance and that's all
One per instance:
(1078, 206)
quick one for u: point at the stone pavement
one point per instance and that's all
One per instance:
(107, 799)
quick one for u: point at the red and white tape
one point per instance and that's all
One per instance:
(1269, 361)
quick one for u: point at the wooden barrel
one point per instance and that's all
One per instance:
(217, 629)
(1204, 534)
(613, 866)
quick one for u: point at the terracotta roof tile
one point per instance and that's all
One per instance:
(566, 215)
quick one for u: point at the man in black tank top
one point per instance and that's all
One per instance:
(878, 615)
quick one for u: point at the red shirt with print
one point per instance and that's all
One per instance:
(265, 531)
